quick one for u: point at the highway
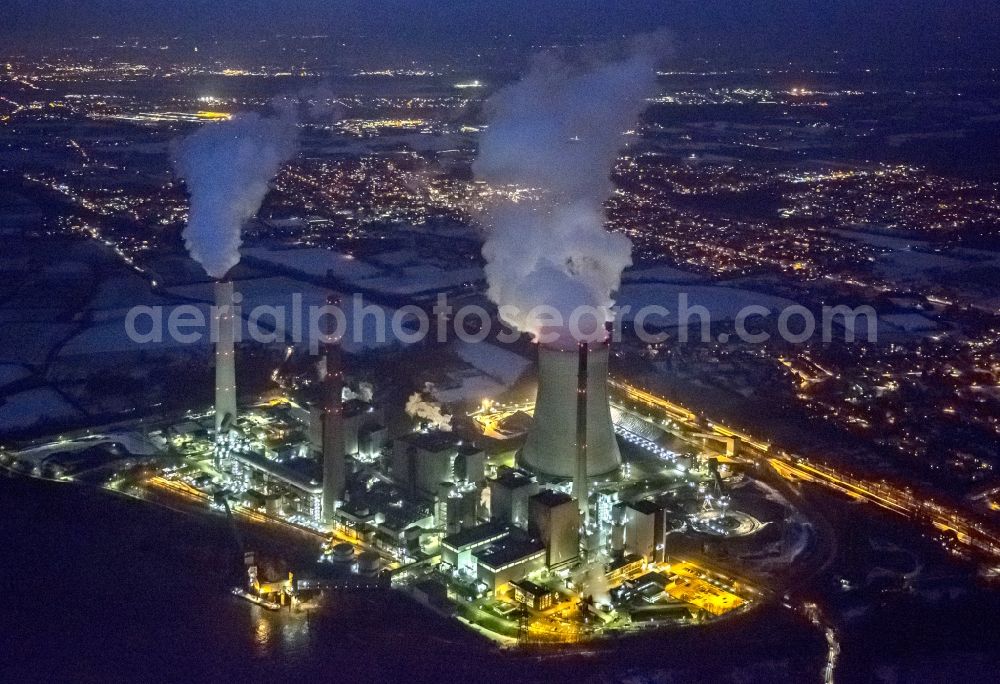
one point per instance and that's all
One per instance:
(973, 533)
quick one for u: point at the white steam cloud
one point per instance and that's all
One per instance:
(417, 406)
(365, 392)
(559, 131)
(227, 168)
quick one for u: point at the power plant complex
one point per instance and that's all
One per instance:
(543, 514)
(534, 506)
(570, 509)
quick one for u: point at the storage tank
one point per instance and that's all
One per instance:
(342, 553)
(368, 562)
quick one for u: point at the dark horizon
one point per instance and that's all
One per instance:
(876, 33)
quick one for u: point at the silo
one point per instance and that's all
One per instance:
(368, 563)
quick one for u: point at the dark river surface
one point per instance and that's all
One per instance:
(100, 588)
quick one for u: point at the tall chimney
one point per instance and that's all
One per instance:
(580, 475)
(225, 359)
(334, 457)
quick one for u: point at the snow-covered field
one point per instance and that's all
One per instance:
(906, 322)
(722, 303)
(32, 406)
(12, 372)
(108, 335)
(504, 366)
(314, 261)
(394, 275)
(422, 278)
(660, 274)
(31, 342)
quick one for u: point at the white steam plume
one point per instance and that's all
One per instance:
(559, 131)
(227, 168)
(365, 392)
(417, 406)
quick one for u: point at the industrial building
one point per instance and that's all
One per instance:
(510, 491)
(554, 519)
(384, 520)
(365, 433)
(625, 568)
(493, 554)
(457, 506)
(457, 549)
(534, 595)
(646, 528)
(422, 461)
(508, 560)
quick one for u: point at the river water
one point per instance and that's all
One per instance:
(100, 588)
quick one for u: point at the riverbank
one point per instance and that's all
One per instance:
(104, 587)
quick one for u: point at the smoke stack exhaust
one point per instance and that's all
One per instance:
(225, 358)
(559, 130)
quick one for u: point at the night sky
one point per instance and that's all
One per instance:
(898, 31)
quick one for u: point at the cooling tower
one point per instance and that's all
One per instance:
(225, 359)
(552, 447)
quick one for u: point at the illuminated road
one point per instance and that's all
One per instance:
(969, 531)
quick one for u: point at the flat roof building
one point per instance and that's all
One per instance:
(421, 461)
(534, 595)
(509, 560)
(457, 549)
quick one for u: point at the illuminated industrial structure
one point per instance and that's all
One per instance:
(333, 449)
(332, 440)
(509, 494)
(552, 447)
(493, 555)
(225, 357)
(225, 365)
(422, 461)
(645, 529)
(554, 518)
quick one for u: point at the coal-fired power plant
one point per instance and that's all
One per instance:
(572, 415)
(225, 359)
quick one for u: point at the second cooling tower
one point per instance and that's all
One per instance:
(551, 446)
